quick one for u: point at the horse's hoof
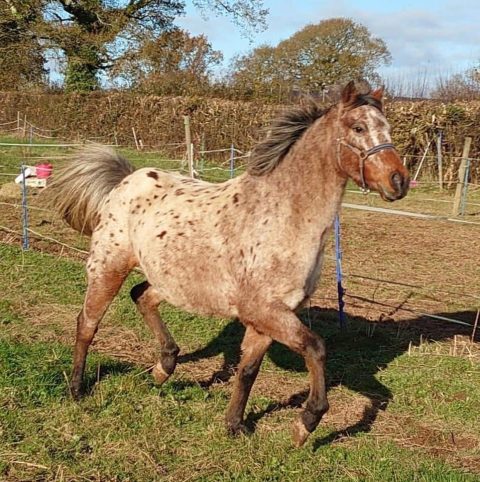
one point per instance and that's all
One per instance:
(300, 433)
(236, 429)
(159, 374)
(75, 393)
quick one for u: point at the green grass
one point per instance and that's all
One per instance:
(126, 428)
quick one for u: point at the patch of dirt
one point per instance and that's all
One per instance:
(461, 449)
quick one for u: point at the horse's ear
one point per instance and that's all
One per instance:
(349, 93)
(378, 93)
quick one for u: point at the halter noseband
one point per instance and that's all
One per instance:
(363, 156)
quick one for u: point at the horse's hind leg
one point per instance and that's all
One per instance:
(104, 281)
(147, 300)
(254, 347)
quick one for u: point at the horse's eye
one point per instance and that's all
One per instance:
(358, 129)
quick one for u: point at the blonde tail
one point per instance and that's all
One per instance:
(79, 189)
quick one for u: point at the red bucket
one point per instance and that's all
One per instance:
(44, 170)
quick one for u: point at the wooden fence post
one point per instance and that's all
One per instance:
(188, 142)
(202, 152)
(439, 159)
(137, 145)
(461, 176)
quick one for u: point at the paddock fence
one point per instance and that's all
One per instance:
(26, 221)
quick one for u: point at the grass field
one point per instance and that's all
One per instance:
(127, 429)
(403, 388)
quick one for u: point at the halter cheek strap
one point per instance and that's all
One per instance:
(363, 156)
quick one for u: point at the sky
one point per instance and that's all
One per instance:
(432, 37)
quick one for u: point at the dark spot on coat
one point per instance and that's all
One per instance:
(164, 196)
(153, 175)
(112, 235)
(155, 196)
(235, 198)
(181, 234)
(161, 235)
(179, 192)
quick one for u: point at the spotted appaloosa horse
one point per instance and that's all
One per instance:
(250, 247)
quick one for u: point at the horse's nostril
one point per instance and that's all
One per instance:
(397, 180)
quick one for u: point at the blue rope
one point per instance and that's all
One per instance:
(338, 268)
(25, 240)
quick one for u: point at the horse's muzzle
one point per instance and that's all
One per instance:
(399, 184)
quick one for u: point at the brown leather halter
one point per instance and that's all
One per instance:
(363, 156)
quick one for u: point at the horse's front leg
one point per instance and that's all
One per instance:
(280, 323)
(254, 347)
(147, 300)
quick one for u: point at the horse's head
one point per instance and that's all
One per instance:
(364, 149)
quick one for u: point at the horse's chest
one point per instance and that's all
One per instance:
(316, 264)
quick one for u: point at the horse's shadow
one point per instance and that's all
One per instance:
(354, 357)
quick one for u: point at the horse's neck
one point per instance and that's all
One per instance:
(308, 177)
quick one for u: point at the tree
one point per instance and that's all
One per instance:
(464, 86)
(259, 74)
(92, 34)
(21, 58)
(174, 63)
(316, 57)
(89, 32)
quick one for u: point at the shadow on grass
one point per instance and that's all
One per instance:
(102, 369)
(354, 357)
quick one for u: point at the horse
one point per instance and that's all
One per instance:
(249, 248)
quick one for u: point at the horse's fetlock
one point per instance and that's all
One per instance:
(310, 419)
(168, 363)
